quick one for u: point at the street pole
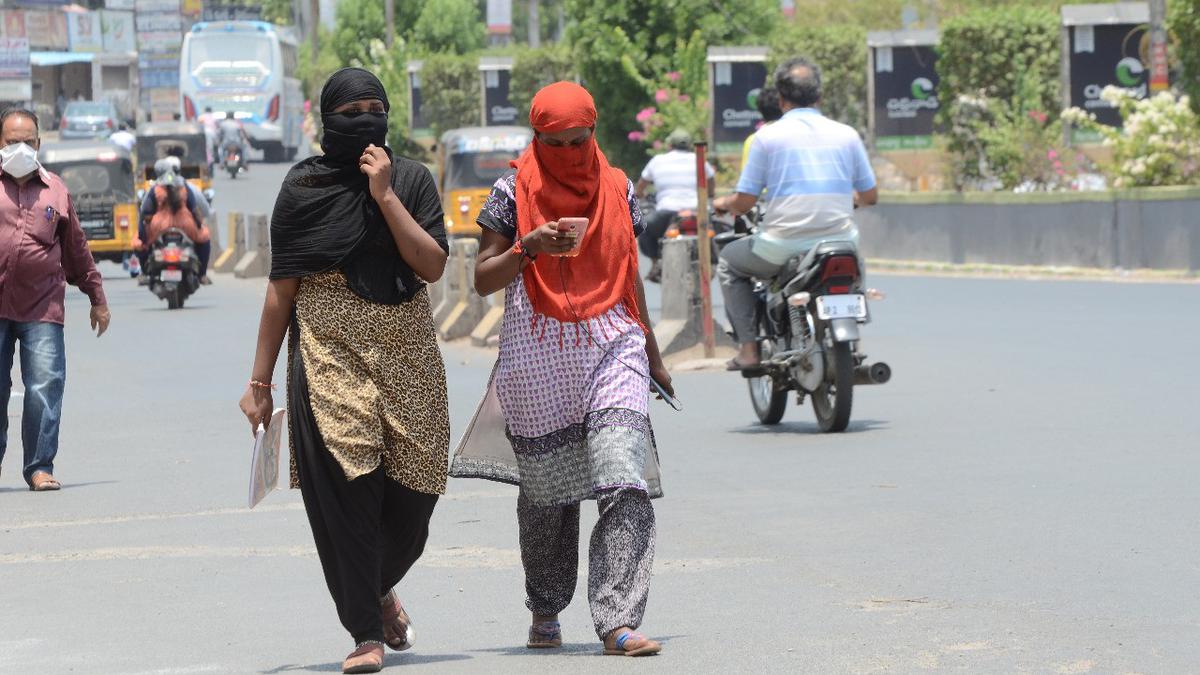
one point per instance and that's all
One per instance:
(1159, 75)
(314, 11)
(704, 250)
(389, 15)
(535, 25)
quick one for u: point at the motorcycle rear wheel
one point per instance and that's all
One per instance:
(833, 399)
(769, 401)
(175, 299)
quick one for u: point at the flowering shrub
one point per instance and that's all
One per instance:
(1158, 145)
(673, 110)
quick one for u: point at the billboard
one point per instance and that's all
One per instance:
(15, 73)
(46, 30)
(118, 31)
(498, 108)
(736, 83)
(1107, 55)
(12, 23)
(418, 126)
(84, 32)
(906, 101)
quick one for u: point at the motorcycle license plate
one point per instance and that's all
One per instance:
(842, 307)
(172, 275)
(93, 224)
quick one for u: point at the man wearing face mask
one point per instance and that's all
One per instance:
(41, 246)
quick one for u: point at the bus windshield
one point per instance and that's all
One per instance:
(229, 49)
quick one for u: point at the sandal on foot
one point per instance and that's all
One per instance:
(397, 626)
(545, 635)
(41, 481)
(366, 658)
(633, 644)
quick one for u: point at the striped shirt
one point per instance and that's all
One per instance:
(809, 167)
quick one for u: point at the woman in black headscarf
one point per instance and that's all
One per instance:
(354, 235)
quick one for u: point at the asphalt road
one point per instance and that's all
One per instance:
(1021, 498)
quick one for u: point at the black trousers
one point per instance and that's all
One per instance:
(369, 531)
(650, 241)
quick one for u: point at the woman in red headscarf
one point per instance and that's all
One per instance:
(573, 375)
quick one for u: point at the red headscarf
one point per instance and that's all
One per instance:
(576, 181)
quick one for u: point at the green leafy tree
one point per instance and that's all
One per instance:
(449, 26)
(624, 47)
(1008, 59)
(451, 91)
(841, 53)
(1184, 19)
(536, 68)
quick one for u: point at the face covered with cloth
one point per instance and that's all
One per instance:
(563, 174)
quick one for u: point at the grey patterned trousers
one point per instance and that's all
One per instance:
(620, 558)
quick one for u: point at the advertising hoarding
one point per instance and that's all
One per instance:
(84, 33)
(118, 30)
(498, 109)
(736, 77)
(904, 83)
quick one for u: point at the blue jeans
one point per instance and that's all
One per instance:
(44, 373)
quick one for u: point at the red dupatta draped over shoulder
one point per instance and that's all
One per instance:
(576, 181)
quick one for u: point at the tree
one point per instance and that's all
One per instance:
(841, 53)
(1184, 22)
(451, 91)
(449, 26)
(625, 47)
(536, 68)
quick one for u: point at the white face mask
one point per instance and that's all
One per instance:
(18, 160)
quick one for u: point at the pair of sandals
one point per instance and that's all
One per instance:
(367, 657)
(548, 635)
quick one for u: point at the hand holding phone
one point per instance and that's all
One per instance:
(576, 228)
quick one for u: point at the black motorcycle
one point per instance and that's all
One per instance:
(173, 268)
(807, 321)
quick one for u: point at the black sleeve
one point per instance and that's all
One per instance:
(422, 200)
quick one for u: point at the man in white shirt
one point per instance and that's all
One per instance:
(674, 178)
(121, 137)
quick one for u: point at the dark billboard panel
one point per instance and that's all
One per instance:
(906, 100)
(498, 109)
(418, 127)
(736, 85)
(1106, 55)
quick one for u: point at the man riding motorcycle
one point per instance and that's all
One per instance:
(172, 204)
(230, 131)
(815, 172)
(673, 175)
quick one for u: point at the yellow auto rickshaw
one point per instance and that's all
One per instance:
(471, 160)
(155, 139)
(99, 178)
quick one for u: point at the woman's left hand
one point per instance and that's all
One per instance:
(377, 166)
(662, 377)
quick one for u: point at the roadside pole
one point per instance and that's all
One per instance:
(704, 250)
(1159, 75)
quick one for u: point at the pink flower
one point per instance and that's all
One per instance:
(658, 145)
(1037, 116)
(662, 96)
(684, 98)
(637, 136)
(646, 114)
(1058, 165)
(1052, 155)
(674, 75)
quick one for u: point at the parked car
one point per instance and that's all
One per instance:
(88, 119)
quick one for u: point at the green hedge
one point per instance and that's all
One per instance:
(450, 85)
(841, 53)
(536, 68)
(1184, 22)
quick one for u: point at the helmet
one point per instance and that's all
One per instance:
(679, 139)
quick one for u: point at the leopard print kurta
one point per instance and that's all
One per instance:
(376, 383)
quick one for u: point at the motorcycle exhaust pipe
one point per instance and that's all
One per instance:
(875, 373)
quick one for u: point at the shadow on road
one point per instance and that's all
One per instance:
(65, 486)
(578, 649)
(856, 426)
(388, 660)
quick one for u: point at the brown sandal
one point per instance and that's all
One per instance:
(43, 482)
(366, 658)
(632, 644)
(397, 626)
(545, 635)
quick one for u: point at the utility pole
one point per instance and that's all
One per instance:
(389, 15)
(1159, 75)
(535, 25)
(314, 10)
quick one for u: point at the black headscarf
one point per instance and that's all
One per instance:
(325, 217)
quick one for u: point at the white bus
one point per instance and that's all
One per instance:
(249, 68)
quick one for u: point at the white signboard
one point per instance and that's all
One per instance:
(84, 33)
(119, 34)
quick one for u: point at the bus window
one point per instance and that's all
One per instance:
(291, 62)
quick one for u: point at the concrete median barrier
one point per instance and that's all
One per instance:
(681, 327)
(462, 309)
(489, 325)
(235, 244)
(256, 261)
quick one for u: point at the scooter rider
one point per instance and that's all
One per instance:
(232, 131)
(815, 172)
(673, 175)
(171, 202)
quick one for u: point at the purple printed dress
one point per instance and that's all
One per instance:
(565, 415)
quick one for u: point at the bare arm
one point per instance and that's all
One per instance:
(257, 402)
(497, 265)
(640, 189)
(868, 198)
(421, 251)
(736, 203)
